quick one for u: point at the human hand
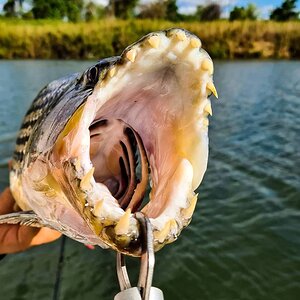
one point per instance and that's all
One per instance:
(16, 238)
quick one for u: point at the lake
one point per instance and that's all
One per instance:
(244, 240)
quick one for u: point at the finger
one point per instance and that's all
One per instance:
(15, 238)
(45, 235)
(6, 202)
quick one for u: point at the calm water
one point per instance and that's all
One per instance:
(244, 240)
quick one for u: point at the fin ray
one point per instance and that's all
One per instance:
(28, 218)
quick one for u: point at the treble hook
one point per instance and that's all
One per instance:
(144, 290)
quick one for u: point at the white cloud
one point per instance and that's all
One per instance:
(265, 11)
(100, 2)
(187, 10)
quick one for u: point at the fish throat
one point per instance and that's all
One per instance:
(119, 158)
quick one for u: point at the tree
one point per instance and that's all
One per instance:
(172, 10)
(10, 8)
(152, 10)
(93, 11)
(73, 10)
(209, 12)
(51, 9)
(123, 9)
(285, 12)
(198, 13)
(242, 13)
(57, 9)
(160, 10)
(251, 12)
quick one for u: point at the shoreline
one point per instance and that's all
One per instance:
(238, 40)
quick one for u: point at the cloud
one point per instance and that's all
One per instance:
(265, 11)
(100, 2)
(187, 10)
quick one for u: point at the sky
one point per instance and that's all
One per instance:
(189, 6)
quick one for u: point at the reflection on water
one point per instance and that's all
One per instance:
(244, 240)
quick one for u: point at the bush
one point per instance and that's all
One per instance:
(107, 37)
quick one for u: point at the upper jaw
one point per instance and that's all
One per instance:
(177, 150)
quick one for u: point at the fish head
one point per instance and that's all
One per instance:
(138, 142)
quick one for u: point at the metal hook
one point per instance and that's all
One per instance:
(147, 261)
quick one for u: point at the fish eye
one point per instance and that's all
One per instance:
(92, 74)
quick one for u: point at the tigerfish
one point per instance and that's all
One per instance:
(93, 147)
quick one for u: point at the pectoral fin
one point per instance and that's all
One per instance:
(28, 218)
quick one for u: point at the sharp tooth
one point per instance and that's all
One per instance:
(162, 234)
(188, 212)
(154, 41)
(85, 183)
(195, 43)
(131, 54)
(77, 164)
(210, 86)
(208, 108)
(123, 224)
(207, 65)
(205, 122)
(180, 35)
(97, 208)
(112, 72)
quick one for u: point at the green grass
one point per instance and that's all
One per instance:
(222, 39)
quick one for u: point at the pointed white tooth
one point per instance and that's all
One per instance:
(188, 212)
(77, 164)
(131, 55)
(122, 226)
(180, 35)
(205, 122)
(85, 182)
(97, 208)
(210, 86)
(208, 108)
(112, 72)
(161, 235)
(195, 43)
(207, 65)
(154, 41)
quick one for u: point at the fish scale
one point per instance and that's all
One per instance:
(41, 105)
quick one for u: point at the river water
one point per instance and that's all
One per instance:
(244, 240)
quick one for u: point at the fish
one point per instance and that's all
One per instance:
(128, 135)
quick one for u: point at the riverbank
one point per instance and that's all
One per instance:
(222, 39)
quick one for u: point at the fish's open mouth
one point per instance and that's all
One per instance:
(149, 128)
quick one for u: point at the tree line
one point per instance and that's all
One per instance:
(77, 10)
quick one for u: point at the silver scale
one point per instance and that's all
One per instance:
(144, 289)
